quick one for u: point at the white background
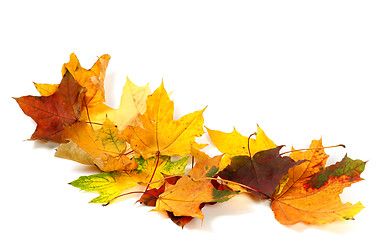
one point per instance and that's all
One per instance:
(300, 69)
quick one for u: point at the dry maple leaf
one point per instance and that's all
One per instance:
(311, 194)
(109, 152)
(46, 89)
(91, 79)
(132, 100)
(111, 185)
(150, 196)
(186, 196)
(72, 151)
(108, 184)
(52, 112)
(261, 173)
(234, 144)
(154, 169)
(158, 133)
(300, 187)
(132, 103)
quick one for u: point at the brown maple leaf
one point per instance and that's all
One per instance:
(53, 112)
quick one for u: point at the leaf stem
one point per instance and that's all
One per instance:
(154, 171)
(229, 181)
(142, 192)
(249, 149)
(121, 195)
(89, 118)
(129, 152)
(100, 124)
(296, 150)
(171, 176)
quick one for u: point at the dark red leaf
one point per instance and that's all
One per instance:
(262, 172)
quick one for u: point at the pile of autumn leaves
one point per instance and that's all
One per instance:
(136, 144)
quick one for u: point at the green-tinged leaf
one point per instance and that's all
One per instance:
(165, 164)
(108, 184)
(222, 195)
(112, 184)
(347, 167)
(311, 195)
(146, 168)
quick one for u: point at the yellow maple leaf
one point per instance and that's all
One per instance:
(132, 103)
(46, 89)
(109, 152)
(157, 133)
(234, 144)
(153, 169)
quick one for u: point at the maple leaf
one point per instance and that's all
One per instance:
(150, 196)
(109, 152)
(186, 196)
(158, 133)
(132, 103)
(300, 187)
(46, 89)
(52, 112)
(110, 185)
(72, 151)
(262, 172)
(311, 194)
(154, 169)
(234, 144)
(91, 79)
(181, 221)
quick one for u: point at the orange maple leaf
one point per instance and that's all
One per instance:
(157, 133)
(311, 195)
(92, 79)
(186, 196)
